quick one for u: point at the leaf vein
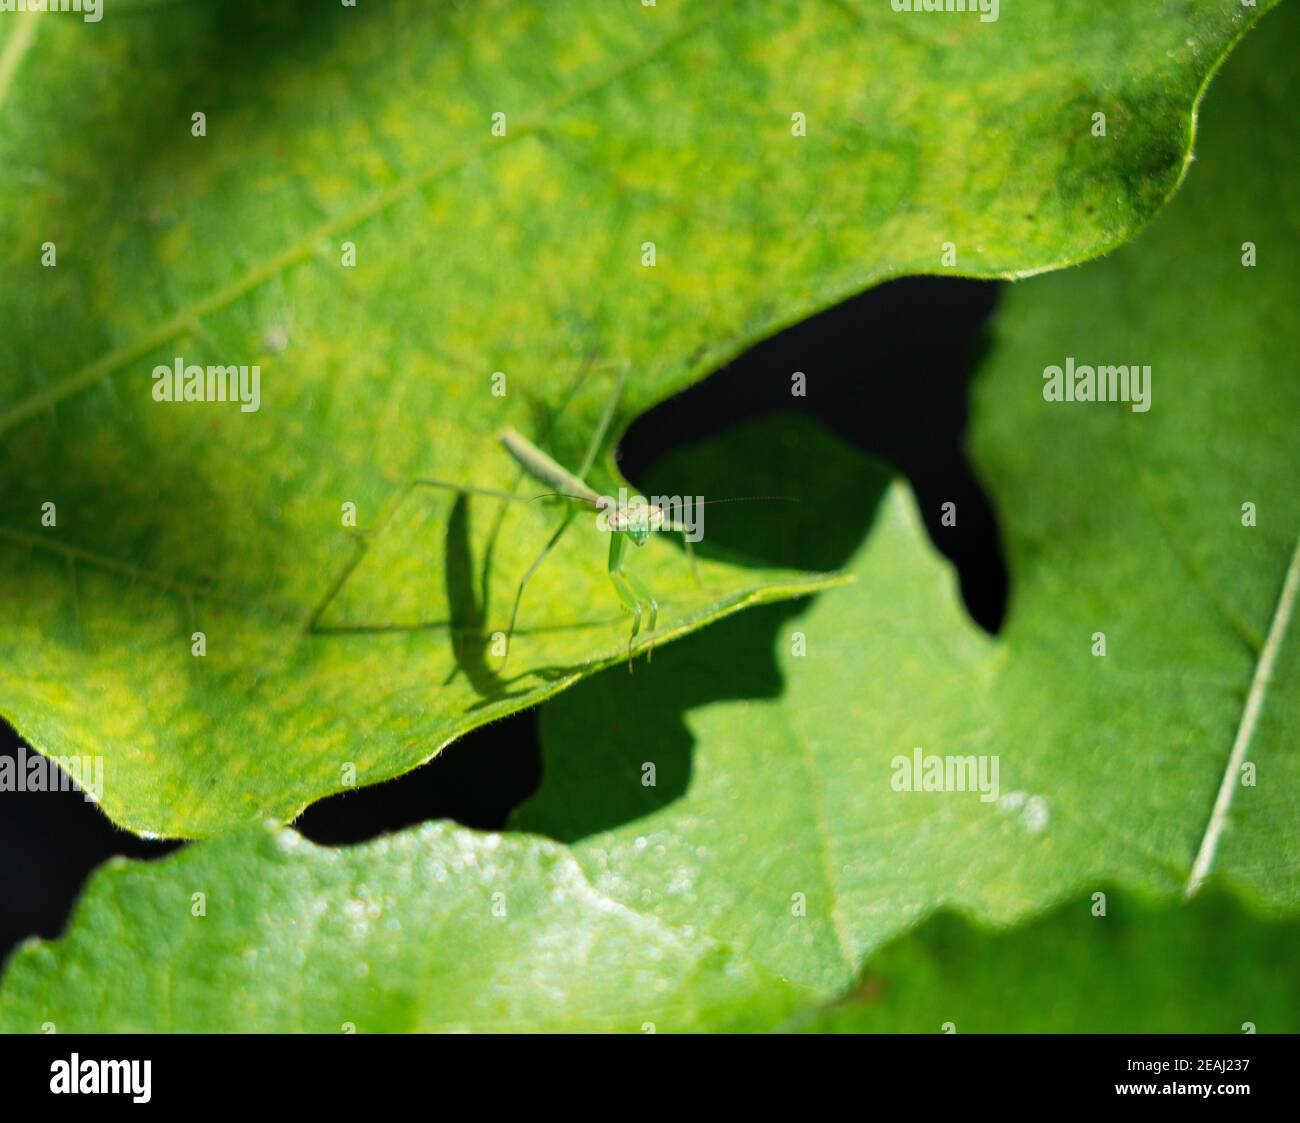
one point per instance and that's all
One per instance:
(1245, 730)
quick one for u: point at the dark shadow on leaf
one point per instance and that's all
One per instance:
(477, 787)
(887, 372)
(52, 840)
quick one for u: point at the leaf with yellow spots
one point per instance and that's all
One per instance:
(381, 207)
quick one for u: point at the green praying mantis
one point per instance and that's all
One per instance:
(628, 523)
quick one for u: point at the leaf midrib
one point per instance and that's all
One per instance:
(1259, 684)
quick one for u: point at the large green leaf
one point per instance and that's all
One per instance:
(436, 929)
(775, 824)
(443, 929)
(475, 253)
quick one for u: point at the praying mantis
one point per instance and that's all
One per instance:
(627, 523)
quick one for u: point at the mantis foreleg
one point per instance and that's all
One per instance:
(634, 595)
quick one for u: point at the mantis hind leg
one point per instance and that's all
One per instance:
(362, 538)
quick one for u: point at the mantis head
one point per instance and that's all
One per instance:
(638, 521)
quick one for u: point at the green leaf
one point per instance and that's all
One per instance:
(475, 253)
(1210, 967)
(435, 929)
(444, 929)
(775, 787)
